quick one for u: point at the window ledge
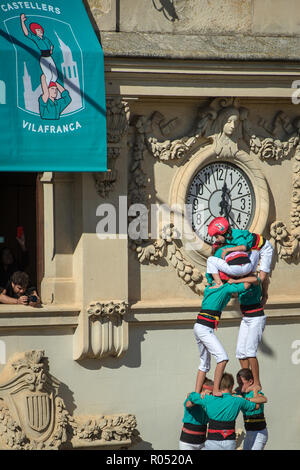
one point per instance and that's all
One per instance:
(17, 316)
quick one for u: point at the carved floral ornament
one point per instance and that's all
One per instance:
(117, 121)
(33, 416)
(108, 329)
(222, 130)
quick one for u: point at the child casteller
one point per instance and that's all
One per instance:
(244, 241)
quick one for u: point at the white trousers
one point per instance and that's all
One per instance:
(255, 440)
(186, 446)
(208, 344)
(49, 69)
(266, 255)
(214, 265)
(219, 445)
(250, 334)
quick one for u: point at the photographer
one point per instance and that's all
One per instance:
(17, 291)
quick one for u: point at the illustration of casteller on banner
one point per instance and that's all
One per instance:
(49, 66)
(52, 88)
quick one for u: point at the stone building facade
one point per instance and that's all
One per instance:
(115, 330)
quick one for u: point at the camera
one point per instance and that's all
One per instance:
(32, 298)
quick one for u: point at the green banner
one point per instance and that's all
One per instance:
(52, 93)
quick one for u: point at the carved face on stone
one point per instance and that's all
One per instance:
(228, 121)
(231, 124)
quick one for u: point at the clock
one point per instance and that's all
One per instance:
(206, 186)
(220, 189)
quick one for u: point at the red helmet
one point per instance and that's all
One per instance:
(218, 226)
(34, 26)
(52, 84)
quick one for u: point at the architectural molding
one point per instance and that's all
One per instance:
(167, 246)
(288, 243)
(34, 417)
(190, 79)
(13, 317)
(201, 47)
(102, 331)
(213, 136)
(222, 130)
(117, 114)
(56, 284)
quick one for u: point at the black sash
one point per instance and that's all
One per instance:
(221, 430)
(209, 318)
(254, 310)
(255, 422)
(193, 433)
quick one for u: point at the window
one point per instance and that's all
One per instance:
(18, 196)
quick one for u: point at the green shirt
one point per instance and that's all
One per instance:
(225, 408)
(219, 251)
(53, 109)
(253, 412)
(44, 44)
(194, 415)
(218, 298)
(252, 295)
(240, 237)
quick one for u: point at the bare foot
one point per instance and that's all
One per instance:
(217, 393)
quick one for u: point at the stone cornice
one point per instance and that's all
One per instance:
(149, 77)
(209, 47)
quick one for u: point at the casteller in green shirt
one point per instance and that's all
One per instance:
(250, 301)
(194, 425)
(194, 415)
(222, 413)
(252, 241)
(52, 109)
(254, 419)
(215, 300)
(224, 408)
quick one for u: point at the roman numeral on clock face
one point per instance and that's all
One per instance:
(220, 189)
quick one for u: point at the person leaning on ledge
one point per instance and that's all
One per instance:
(17, 291)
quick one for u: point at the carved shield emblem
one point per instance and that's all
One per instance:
(38, 411)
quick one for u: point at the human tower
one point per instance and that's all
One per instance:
(211, 410)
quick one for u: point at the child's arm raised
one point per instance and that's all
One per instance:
(233, 248)
(24, 27)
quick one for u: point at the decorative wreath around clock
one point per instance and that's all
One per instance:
(218, 162)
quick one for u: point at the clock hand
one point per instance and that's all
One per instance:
(224, 204)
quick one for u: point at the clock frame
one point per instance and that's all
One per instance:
(220, 189)
(194, 246)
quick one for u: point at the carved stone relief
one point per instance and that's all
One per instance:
(117, 113)
(223, 130)
(288, 244)
(167, 247)
(34, 416)
(108, 329)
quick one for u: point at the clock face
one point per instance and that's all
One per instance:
(220, 190)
